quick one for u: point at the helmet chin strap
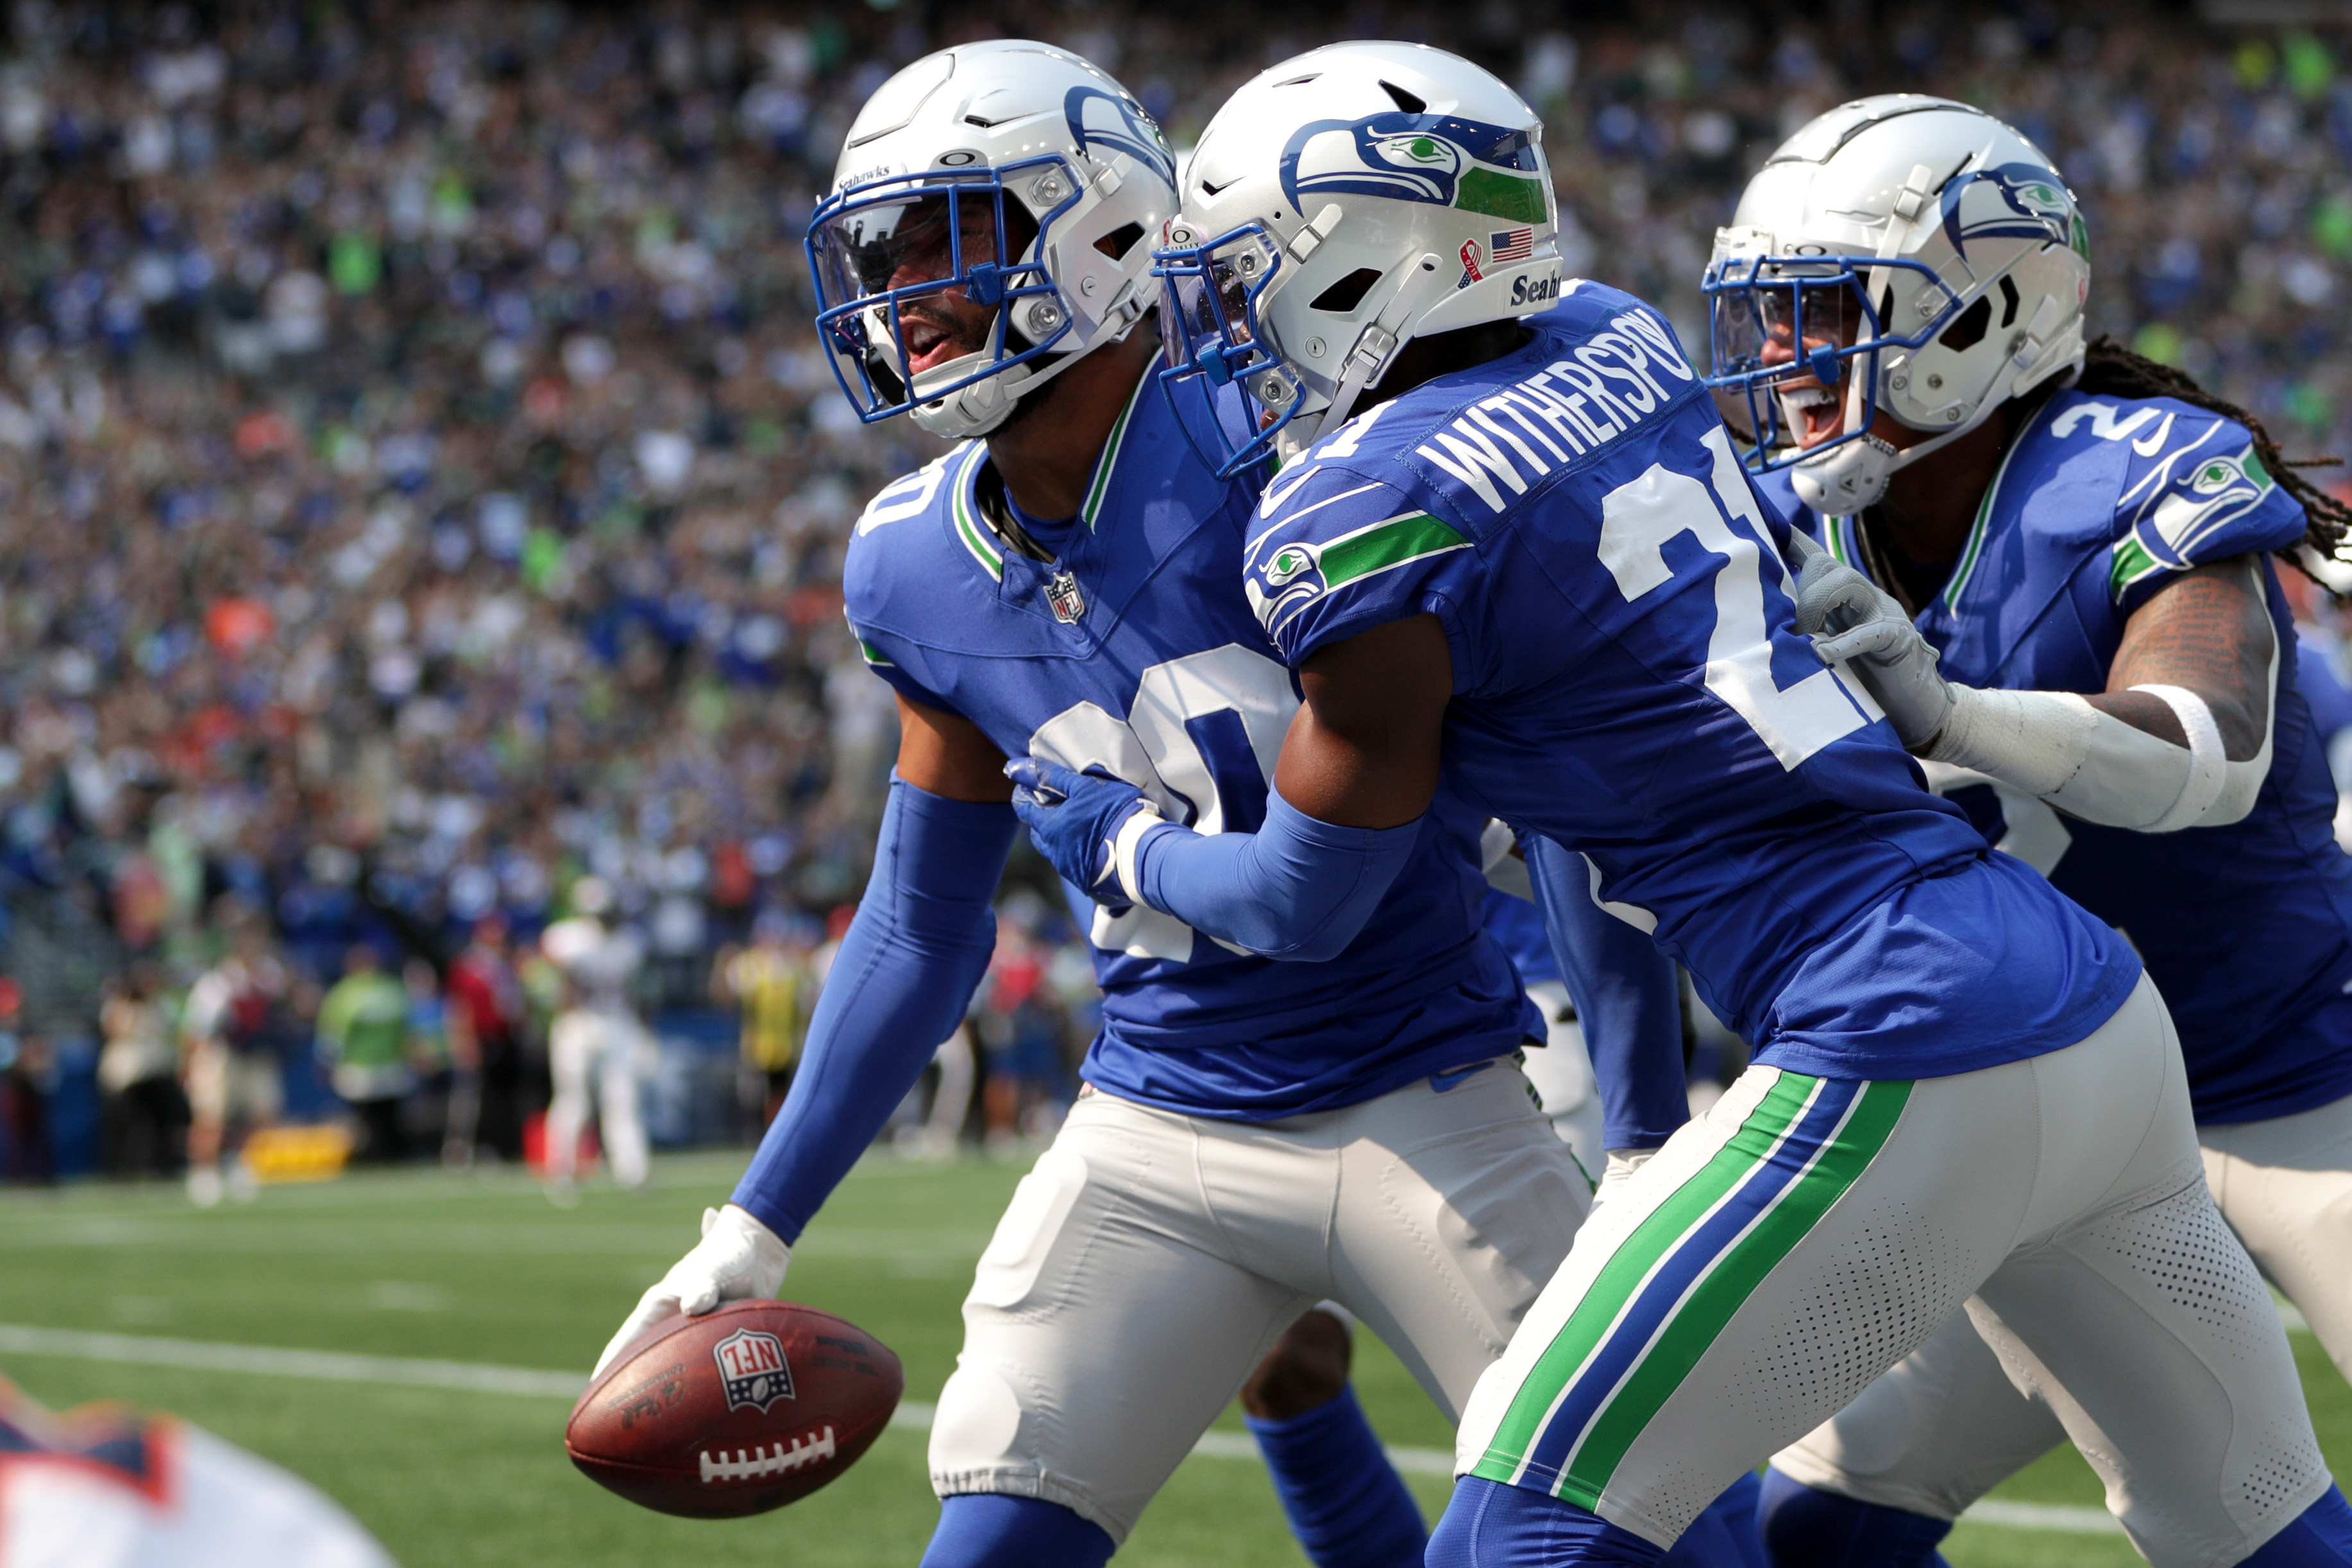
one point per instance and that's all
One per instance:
(1854, 474)
(1377, 347)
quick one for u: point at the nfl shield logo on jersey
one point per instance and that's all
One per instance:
(1062, 593)
(752, 1364)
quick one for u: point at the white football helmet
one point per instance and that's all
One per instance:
(1339, 206)
(1019, 139)
(1908, 253)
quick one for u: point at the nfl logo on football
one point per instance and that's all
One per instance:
(753, 1366)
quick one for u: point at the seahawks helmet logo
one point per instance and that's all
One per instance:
(2027, 202)
(1099, 118)
(1440, 159)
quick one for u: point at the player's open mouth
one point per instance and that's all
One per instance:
(928, 345)
(1813, 412)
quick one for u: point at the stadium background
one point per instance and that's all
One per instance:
(418, 489)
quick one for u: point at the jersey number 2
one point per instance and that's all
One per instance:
(1637, 520)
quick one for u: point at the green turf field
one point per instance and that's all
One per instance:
(481, 1269)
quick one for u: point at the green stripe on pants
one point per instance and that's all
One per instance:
(1708, 1308)
(1623, 1275)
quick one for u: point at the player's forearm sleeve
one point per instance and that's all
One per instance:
(2092, 765)
(1298, 888)
(898, 987)
(1627, 999)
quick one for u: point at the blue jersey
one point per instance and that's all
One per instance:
(1518, 926)
(2247, 928)
(1134, 652)
(1628, 683)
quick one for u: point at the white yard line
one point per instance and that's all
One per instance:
(472, 1377)
(2043, 1515)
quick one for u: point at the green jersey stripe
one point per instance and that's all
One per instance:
(1700, 1318)
(1621, 1279)
(1977, 532)
(968, 527)
(1100, 486)
(1385, 545)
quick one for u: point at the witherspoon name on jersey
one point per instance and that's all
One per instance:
(1599, 391)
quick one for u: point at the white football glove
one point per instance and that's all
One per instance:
(1855, 622)
(738, 1258)
(1622, 1163)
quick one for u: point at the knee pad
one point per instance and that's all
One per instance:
(1490, 1525)
(1803, 1527)
(2320, 1537)
(985, 1530)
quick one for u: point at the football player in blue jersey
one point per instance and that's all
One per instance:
(1336, 1116)
(2051, 572)
(1521, 561)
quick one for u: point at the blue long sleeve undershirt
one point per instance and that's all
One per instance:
(899, 985)
(1296, 889)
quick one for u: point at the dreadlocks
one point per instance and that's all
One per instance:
(2113, 370)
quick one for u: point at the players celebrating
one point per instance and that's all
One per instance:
(1530, 569)
(2014, 522)
(1335, 1116)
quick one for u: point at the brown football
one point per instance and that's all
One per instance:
(748, 1408)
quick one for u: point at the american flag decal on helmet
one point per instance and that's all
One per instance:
(1509, 246)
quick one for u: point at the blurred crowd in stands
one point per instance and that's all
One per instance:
(419, 488)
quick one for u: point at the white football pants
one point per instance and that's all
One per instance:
(1560, 1071)
(589, 1046)
(1806, 1234)
(1958, 1415)
(1151, 1260)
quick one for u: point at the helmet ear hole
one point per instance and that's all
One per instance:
(1347, 293)
(2008, 301)
(1969, 331)
(1120, 240)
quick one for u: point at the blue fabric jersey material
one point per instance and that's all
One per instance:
(1518, 927)
(905, 971)
(1628, 681)
(1154, 671)
(2247, 928)
(1627, 997)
